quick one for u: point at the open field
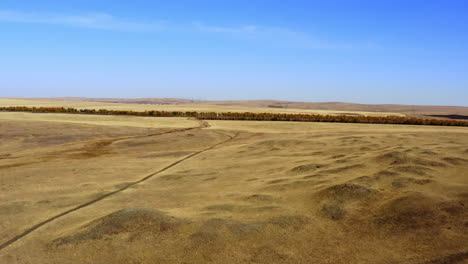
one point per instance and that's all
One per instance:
(411, 110)
(199, 107)
(126, 189)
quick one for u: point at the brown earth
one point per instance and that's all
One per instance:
(161, 190)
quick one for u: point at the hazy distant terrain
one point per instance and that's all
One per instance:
(125, 189)
(395, 108)
(199, 107)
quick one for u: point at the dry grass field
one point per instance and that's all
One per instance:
(199, 107)
(118, 189)
(412, 110)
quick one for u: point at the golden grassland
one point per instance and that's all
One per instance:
(411, 110)
(176, 190)
(104, 120)
(177, 107)
(348, 118)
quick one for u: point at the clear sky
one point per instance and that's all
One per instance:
(374, 51)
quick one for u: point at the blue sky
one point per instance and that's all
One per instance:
(374, 51)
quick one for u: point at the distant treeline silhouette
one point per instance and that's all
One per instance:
(248, 116)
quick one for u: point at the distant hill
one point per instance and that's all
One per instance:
(126, 101)
(412, 110)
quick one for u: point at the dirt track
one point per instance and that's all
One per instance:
(38, 225)
(278, 193)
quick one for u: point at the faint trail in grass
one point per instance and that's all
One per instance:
(101, 144)
(104, 196)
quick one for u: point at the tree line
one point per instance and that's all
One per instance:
(247, 116)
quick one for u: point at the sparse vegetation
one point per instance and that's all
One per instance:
(78, 186)
(248, 116)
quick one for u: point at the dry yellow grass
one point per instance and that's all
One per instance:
(178, 107)
(102, 120)
(238, 192)
(320, 128)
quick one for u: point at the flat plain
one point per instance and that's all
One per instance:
(123, 189)
(200, 107)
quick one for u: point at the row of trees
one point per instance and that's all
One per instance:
(248, 116)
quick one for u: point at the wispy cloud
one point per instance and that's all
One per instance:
(89, 20)
(266, 35)
(249, 29)
(279, 36)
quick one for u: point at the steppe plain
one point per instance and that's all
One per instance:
(124, 189)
